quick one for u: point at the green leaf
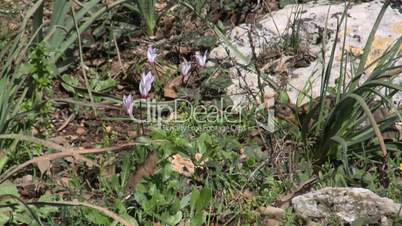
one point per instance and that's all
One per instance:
(172, 219)
(185, 201)
(147, 11)
(283, 97)
(46, 210)
(130, 219)
(125, 171)
(5, 215)
(8, 188)
(367, 47)
(3, 159)
(195, 195)
(198, 219)
(69, 82)
(201, 143)
(283, 3)
(206, 42)
(243, 59)
(103, 85)
(96, 217)
(25, 69)
(204, 199)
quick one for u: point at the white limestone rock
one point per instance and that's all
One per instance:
(347, 204)
(361, 18)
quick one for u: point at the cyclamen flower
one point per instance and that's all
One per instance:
(185, 68)
(146, 84)
(201, 59)
(127, 104)
(151, 55)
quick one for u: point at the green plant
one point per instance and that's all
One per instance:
(343, 121)
(59, 33)
(198, 6)
(199, 201)
(289, 218)
(146, 8)
(339, 123)
(41, 70)
(10, 110)
(292, 38)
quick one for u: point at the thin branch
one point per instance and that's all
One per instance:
(64, 152)
(105, 211)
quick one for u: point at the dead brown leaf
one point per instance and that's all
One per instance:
(160, 5)
(169, 93)
(144, 170)
(269, 99)
(80, 131)
(63, 181)
(61, 140)
(181, 165)
(170, 88)
(248, 194)
(272, 212)
(43, 165)
(198, 156)
(272, 222)
(166, 23)
(282, 65)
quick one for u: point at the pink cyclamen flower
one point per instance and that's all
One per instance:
(151, 55)
(201, 59)
(185, 68)
(146, 84)
(127, 104)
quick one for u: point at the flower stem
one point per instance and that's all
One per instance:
(156, 70)
(142, 122)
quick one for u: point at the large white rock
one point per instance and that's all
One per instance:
(361, 18)
(347, 204)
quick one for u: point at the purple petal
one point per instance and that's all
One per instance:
(185, 68)
(127, 103)
(151, 55)
(146, 83)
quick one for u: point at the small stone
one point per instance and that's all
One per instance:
(108, 129)
(80, 131)
(34, 131)
(132, 133)
(272, 222)
(198, 156)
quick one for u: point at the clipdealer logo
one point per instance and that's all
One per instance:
(162, 113)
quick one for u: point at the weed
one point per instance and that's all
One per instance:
(146, 9)
(227, 170)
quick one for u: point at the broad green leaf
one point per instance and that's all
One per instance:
(69, 82)
(206, 42)
(172, 219)
(185, 201)
(204, 199)
(195, 195)
(103, 85)
(96, 217)
(46, 210)
(8, 188)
